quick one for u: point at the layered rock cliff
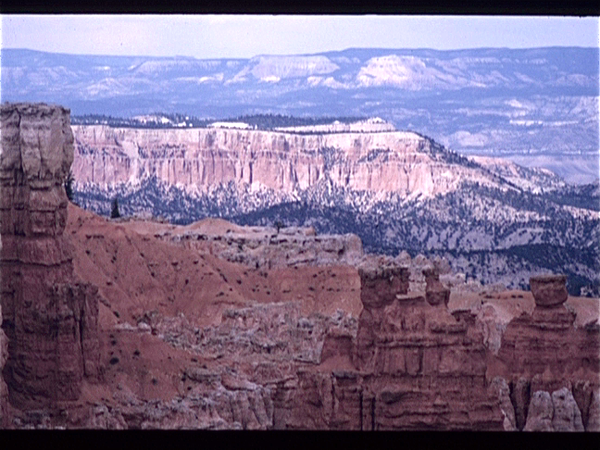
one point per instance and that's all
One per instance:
(49, 318)
(190, 340)
(416, 366)
(200, 158)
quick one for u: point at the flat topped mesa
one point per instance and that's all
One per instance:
(549, 290)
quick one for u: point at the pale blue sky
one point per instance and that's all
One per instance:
(244, 36)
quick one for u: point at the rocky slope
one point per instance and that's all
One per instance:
(190, 340)
(262, 247)
(395, 190)
(552, 366)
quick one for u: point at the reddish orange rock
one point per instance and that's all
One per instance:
(417, 367)
(549, 290)
(544, 353)
(50, 319)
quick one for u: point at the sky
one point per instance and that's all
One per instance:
(245, 36)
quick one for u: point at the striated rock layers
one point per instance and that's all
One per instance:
(416, 367)
(50, 320)
(196, 159)
(552, 367)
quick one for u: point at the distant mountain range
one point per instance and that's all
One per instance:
(532, 105)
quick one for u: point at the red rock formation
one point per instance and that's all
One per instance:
(549, 290)
(417, 366)
(435, 292)
(3, 388)
(49, 319)
(427, 366)
(542, 354)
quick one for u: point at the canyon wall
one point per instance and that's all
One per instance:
(49, 318)
(199, 158)
(280, 359)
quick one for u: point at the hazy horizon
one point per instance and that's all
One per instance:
(297, 54)
(247, 36)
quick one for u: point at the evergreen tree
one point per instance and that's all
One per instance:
(69, 186)
(114, 211)
(279, 225)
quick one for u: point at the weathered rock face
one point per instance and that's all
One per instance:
(265, 247)
(416, 367)
(421, 356)
(552, 366)
(556, 412)
(435, 292)
(49, 319)
(549, 290)
(390, 161)
(3, 388)
(201, 349)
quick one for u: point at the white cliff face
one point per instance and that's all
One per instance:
(278, 67)
(405, 72)
(199, 158)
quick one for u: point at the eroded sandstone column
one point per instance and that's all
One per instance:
(424, 367)
(49, 319)
(552, 366)
(435, 292)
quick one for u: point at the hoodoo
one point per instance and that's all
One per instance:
(552, 366)
(49, 318)
(417, 366)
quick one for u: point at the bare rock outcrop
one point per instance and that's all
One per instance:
(266, 247)
(3, 388)
(416, 366)
(420, 356)
(554, 412)
(50, 319)
(552, 366)
(500, 388)
(549, 290)
(435, 292)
